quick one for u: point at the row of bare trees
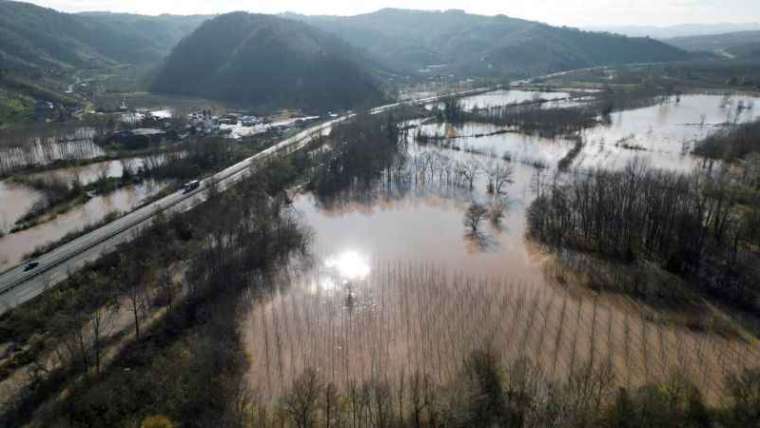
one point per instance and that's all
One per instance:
(731, 143)
(689, 224)
(490, 393)
(358, 153)
(539, 120)
(42, 152)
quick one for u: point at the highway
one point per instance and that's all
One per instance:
(18, 286)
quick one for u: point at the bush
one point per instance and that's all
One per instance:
(156, 422)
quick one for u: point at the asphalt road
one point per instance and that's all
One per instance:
(18, 286)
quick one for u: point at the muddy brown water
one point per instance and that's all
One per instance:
(14, 246)
(396, 285)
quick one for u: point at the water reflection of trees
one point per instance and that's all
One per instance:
(29, 147)
(416, 179)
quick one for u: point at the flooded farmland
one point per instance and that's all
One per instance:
(21, 198)
(16, 200)
(25, 148)
(398, 286)
(15, 246)
(665, 133)
(90, 173)
(513, 96)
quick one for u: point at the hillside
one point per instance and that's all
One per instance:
(36, 37)
(484, 45)
(741, 44)
(673, 31)
(262, 60)
(158, 33)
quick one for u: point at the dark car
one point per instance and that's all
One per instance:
(191, 186)
(30, 266)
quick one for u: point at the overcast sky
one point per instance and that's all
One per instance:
(558, 12)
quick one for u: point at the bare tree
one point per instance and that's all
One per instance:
(496, 211)
(473, 216)
(302, 401)
(499, 175)
(131, 286)
(101, 323)
(469, 171)
(73, 338)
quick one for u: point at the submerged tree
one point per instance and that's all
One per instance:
(499, 175)
(474, 216)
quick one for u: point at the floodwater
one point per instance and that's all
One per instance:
(16, 200)
(664, 134)
(502, 97)
(46, 146)
(512, 96)
(399, 286)
(87, 174)
(501, 142)
(13, 247)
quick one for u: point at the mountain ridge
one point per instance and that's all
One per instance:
(264, 60)
(36, 37)
(742, 45)
(486, 45)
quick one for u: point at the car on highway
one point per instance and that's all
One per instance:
(31, 265)
(191, 185)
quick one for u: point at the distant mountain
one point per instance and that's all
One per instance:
(160, 33)
(472, 44)
(36, 37)
(739, 45)
(683, 30)
(263, 60)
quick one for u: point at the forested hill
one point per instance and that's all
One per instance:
(263, 60)
(36, 37)
(737, 45)
(412, 40)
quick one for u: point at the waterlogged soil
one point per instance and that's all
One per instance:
(511, 96)
(397, 285)
(500, 142)
(90, 173)
(46, 147)
(13, 247)
(17, 198)
(15, 201)
(664, 134)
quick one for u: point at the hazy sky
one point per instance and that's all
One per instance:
(558, 12)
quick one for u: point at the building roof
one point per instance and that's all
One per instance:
(147, 132)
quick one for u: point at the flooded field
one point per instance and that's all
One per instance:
(512, 96)
(42, 147)
(664, 134)
(13, 247)
(16, 200)
(500, 142)
(87, 174)
(397, 285)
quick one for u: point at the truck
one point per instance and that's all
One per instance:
(191, 185)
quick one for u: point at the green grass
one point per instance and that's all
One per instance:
(14, 109)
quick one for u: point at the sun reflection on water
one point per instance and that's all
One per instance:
(342, 270)
(349, 265)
